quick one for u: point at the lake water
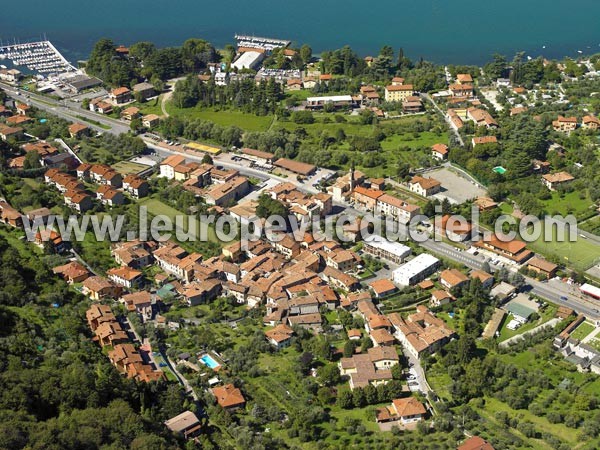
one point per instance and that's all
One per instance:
(444, 31)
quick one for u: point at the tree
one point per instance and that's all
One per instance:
(32, 160)
(142, 50)
(402, 170)
(229, 53)
(349, 347)
(345, 399)
(305, 53)
(136, 125)
(268, 207)
(207, 159)
(303, 117)
(519, 165)
(497, 68)
(358, 398)
(196, 54)
(329, 375)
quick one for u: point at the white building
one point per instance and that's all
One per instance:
(590, 290)
(167, 166)
(382, 248)
(337, 101)
(248, 60)
(415, 270)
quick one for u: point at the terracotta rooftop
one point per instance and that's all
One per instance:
(228, 396)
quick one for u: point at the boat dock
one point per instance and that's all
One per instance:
(268, 44)
(41, 57)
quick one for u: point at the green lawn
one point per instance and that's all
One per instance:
(582, 330)
(569, 203)
(127, 167)
(150, 107)
(580, 254)
(300, 95)
(400, 145)
(595, 342)
(96, 253)
(32, 182)
(453, 322)
(506, 208)
(249, 122)
(166, 370)
(545, 316)
(440, 382)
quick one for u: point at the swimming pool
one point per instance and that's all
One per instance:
(209, 362)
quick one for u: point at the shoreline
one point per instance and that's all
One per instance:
(548, 51)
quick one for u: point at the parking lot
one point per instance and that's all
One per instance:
(457, 189)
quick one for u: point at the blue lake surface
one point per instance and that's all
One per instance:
(444, 31)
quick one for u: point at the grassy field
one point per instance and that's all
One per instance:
(127, 167)
(249, 122)
(94, 122)
(410, 147)
(492, 406)
(282, 386)
(569, 203)
(151, 107)
(580, 254)
(14, 236)
(591, 226)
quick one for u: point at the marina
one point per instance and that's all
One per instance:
(261, 43)
(39, 57)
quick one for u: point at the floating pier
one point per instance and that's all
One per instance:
(268, 44)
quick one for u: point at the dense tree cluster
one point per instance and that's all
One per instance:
(57, 389)
(108, 148)
(245, 95)
(145, 61)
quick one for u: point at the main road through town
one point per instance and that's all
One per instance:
(554, 291)
(68, 110)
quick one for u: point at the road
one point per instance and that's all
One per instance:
(448, 121)
(70, 110)
(417, 370)
(222, 160)
(67, 109)
(553, 290)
